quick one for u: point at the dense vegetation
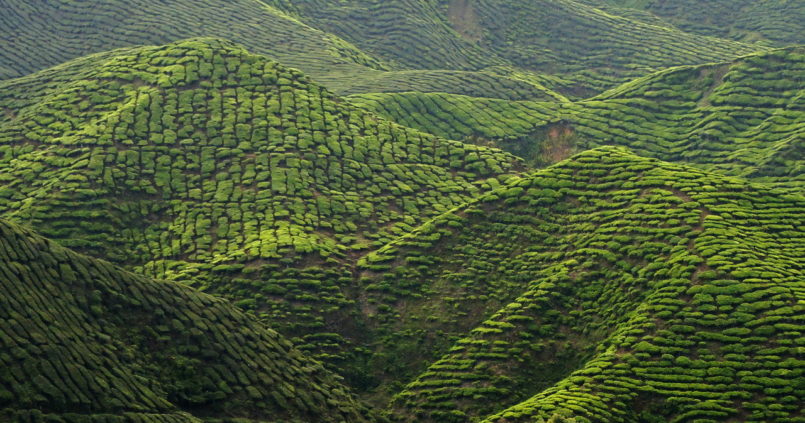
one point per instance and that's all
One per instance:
(32, 43)
(624, 289)
(200, 162)
(493, 48)
(742, 118)
(83, 341)
(588, 49)
(770, 21)
(481, 211)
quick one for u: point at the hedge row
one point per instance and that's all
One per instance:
(199, 162)
(83, 341)
(610, 287)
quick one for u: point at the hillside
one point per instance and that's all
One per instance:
(514, 126)
(202, 163)
(773, 21)
(414, 34)
(609, 287)
(81, 341)
(588, 48)
(402, 211)
(33, 43)
(361, 46)
(742, 118)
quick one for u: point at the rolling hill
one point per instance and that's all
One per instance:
(740, 118)
(84, 341)
(778, 22)
(414, 34)
(589, 49)
(360, 46)
(609, 287)
(33, 43)
(452, 211)
(199, 162)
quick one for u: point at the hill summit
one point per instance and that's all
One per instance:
(200, 162)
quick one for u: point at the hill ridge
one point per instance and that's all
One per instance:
(358, 211)
(202, 163)
(389, 46)
(85, 341)
(564, 258)
(738, 117)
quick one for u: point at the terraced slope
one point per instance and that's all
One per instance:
(515, 126)
(593, 49)
(200, 162)
(459, 116)
(500, 83)
(609, 288)
(83, 341)
(410, 32)
(776, 21)
(33, 42)
(745, 118)
(584, 44)
(42, 33)
(455, 46)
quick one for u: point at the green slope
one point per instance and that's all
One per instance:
(589, 47)
(441, 282)
(500, 82)
(40, 34)
(743, 118)
(460, 117)
(772, 21)
(609, 287)
(83, 341)
(200, 162)
(515, 126)
(455, 46)
(412, 33)
(586, 45)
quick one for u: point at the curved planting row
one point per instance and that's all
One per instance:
(82, 341)
(200, 162)
(610, 288)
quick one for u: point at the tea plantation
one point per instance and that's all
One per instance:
(34, 43)
(741, 118)
(492, 48)
(202, 163)
(83, 341)
(31, 42)
(625, 289)
(402, 211)
(591, 49)
(776, 21)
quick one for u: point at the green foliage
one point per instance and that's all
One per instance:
(33, 44)
(777, 21)
(606, 288)
(251, 183)
(460, 117)
(490, 48)
(94, 27)
(590, 50)
(83, 341)
(741, 118)
(594, 304)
